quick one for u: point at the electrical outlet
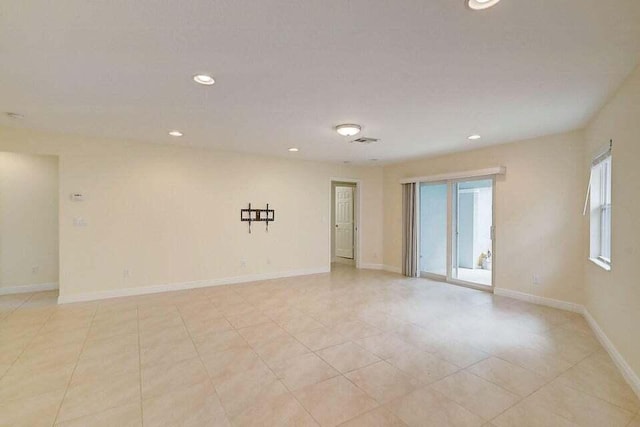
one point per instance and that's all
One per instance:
(79, 222)
(268, 261)
(35, 269)
(126, 273)
(536, 279)
(243, 263)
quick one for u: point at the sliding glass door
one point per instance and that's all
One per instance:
(456, 231)
(472, 226)
(433, 229)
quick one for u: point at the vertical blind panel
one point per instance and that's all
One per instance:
(409, 231)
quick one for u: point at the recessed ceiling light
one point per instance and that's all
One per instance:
(474, 137)
(204, 79)
(293, 149)
(15, 116)
(480, 4)
(175, 133)
(348, 129)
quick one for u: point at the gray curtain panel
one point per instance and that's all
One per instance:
(409, 231)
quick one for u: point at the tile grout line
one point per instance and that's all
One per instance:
(204, 366)
(84, 343)
(265, 363)
(44, 322)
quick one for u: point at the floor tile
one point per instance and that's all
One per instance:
(282, 410)
(318, 339)
(347, 356)
(221, 366)
(544, 364)
(476, 394)
(92, 397)
(525, 414)
(300, 324)
(34, 411)
(382, 381)
(385, 346)
(334, 401)
(508, 376)
(163, 378)
(122, 416)
(247, 319)
(579, 407)
(423, 366)
(194, 405)
(22, 383)
(216, 342)
(597, 375)
(300, 371)
(379, 417)
(280, 348)
(173, 351)
(427, 408)
(470, 354)
(261, 333)
(240, 391)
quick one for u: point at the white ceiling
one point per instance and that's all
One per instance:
(421, 75)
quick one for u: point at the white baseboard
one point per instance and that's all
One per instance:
(93, 296)
(625, 369)
(38, 287)
(629, 375)
(535, 299)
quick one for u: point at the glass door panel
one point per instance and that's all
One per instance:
(433, 229)
(472, 229)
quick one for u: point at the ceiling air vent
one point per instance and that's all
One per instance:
(365, 140)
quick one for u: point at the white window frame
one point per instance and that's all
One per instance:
(600, 209)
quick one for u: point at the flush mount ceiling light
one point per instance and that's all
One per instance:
(480, 4)
(474, 137)
(204, 79)
(175, 133)
(348, 129)
(293, 149)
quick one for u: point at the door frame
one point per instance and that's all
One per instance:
(451, 183)
(357, 212)
(450, 278)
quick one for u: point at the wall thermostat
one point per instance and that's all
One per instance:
(77, 197)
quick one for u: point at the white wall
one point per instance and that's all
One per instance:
(613, 297)
(171, 214)
(28, 221)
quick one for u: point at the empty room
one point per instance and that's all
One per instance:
(320, 213)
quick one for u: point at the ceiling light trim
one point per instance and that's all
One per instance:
(204, 79)
(480, 4)
(348, 129)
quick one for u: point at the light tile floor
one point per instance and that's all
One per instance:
(362, 348)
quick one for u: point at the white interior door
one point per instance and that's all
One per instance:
(344, 222)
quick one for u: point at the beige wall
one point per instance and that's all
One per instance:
(613, 297)
(28, 220)
(170, 214)
(538, 206)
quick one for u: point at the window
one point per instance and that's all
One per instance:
(600, 219)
